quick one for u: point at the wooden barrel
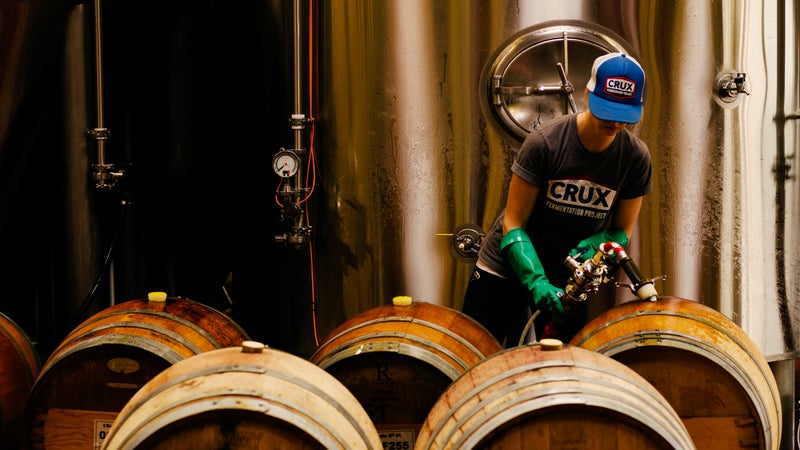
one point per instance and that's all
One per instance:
(96, 369)
(19, 367)
(548, 396)
(398, 359)
(709, 370)
(243, 398)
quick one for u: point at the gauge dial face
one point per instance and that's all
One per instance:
(285, 163)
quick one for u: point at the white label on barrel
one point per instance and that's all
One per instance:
(101, 430)
(397, 439)
(123, 365)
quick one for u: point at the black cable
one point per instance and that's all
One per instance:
(77, 318)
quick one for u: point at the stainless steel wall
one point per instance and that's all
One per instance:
(406, 152)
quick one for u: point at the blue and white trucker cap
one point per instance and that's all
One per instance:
(615, 88)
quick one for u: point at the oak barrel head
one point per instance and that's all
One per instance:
(705, 365)
(106, 359)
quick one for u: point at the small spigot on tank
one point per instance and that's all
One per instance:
(295, 238)
(730, 85)
(105, 175)
(467, 240)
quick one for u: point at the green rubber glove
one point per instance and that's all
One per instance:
(517, 248)
(588, 247)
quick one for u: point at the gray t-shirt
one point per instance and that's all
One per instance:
(578, 192)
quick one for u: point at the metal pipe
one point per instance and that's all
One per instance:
(297, 63)
(104, 173)
(298, 121)
(100, 133)
(298, 118)
(295, 191)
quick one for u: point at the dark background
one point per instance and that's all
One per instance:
(197, 97)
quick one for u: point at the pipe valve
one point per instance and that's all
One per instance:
(466, 241)
(105, 177)
(730, 85)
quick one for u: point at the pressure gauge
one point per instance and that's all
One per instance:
(540, 73)
(285, 163)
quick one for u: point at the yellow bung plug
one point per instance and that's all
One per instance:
(157, 296)
(401, 300)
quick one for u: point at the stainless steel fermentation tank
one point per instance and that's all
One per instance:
(412, 145)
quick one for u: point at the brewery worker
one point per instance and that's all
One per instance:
(577, 182)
